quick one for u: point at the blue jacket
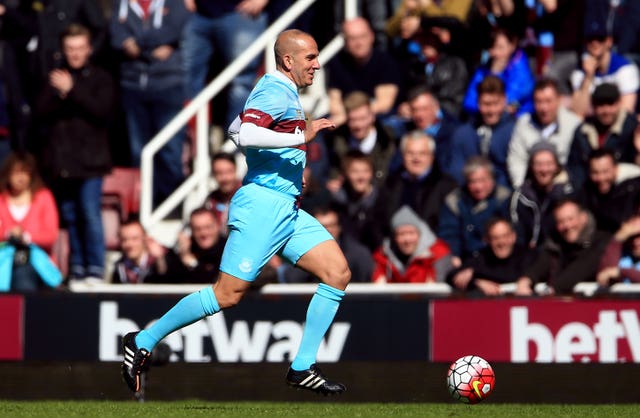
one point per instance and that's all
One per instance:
(164, 26)
(462, 219)
(518, 82)
(465, 142)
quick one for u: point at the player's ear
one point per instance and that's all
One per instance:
(288, 61)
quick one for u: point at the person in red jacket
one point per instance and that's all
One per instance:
(28, 210)
(28, 227)
(413, 254)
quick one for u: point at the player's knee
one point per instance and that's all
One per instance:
(228, 299)
(339, 277)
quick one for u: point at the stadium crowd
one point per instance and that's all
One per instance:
(477, 142)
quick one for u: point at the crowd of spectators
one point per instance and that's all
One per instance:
(477, 143)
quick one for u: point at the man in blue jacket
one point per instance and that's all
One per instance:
(487, 134)
(147, 36)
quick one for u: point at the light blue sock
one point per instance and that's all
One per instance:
(322, 309)
(188, 310)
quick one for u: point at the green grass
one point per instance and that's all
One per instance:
(319, 409)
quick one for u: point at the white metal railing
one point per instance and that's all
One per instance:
(586, 289)
(433, 289)
(198, 180)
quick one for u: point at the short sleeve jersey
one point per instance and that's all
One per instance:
(622, 72)
(274, 104)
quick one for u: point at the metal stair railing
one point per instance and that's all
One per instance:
(198, 180)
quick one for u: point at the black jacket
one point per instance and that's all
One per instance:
(424, 196)
(487, 266)
(619, 204)
(75, 128)
(564, 264)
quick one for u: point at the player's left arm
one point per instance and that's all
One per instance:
(247, 134)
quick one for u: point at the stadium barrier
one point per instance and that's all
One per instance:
(387, 346)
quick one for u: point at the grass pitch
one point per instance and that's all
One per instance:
(322, 408)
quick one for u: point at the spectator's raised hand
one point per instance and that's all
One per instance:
(155, 249)
(628, 229)
(589, 65)
(62, 81)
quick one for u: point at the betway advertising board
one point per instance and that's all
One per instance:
(260, 329)
(542, 331)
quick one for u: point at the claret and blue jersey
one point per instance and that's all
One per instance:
(274, 104)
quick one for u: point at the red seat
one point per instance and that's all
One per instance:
(121, 189)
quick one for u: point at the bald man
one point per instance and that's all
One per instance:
(265, 220)
(362, 67)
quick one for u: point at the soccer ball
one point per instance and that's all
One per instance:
(470, 379)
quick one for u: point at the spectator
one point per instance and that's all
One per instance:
(484, 18)
(420, 184)
(147, 37)
(225, 28)
(626, 28)
(612, 191)
(38, 27)
(355, 200)
(511, 65)
(362, 132)
(427, 116)
(404, 24)
(570, 256)
(361, 67)
(560, 30)
(74, 109)
(28, 225)
(599, 65)
(375, 11)
(487, 133)
(413, 254)
(620, 262)
(531, 208)
(502, 261)
(224, 172)
(357, 255)
(468, 208)
(609, 127)
(142, 259)
(548, 122)
(443, 74)
(196, 258)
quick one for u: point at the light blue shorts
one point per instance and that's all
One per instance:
(262, 223)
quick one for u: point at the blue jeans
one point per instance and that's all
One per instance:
(147, 112)
(229, 36)
(80, 205)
